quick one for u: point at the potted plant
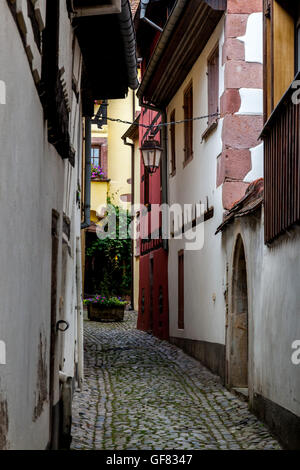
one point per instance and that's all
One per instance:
(97, 173)
(101, 308)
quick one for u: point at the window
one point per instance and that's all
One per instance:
(96, 155)
(213, 84)
(173, 143)
(181, 290)
(188, 125)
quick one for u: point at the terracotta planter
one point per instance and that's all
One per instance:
(103, 313)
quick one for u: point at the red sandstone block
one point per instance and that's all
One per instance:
(244, 6)
(236, 25)
(230, 102)
(240, 74)
(233, 49)
(241, 132)
(233, 164)
(232, 192)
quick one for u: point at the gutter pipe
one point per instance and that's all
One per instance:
(87, 176)
(132, 218)
(162, 42)
(79, 313)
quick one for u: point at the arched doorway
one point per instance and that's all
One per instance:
(238, 360)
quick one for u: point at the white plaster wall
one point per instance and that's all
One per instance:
(32, 183)
(274, 305)
(203, 269)
(253, 38)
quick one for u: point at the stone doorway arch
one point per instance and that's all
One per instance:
(238, 321)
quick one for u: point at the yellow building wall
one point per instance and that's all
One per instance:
(99, 191)
(119, 155)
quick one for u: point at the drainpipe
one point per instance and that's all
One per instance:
(87, 177)
(144, 4)
(164, 157)
(132, 218)
(79, 313)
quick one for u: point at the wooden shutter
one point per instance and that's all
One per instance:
(188, 125)
(213, 84)
(281, 132)
(181, 290)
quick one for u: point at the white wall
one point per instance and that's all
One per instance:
(274, 305)
(32, 183)
(203, 269)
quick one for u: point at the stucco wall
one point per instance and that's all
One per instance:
(34, 180)
(273, 306)
(203, 269)
(119, 155)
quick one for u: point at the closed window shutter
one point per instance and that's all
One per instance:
(188, 125)
(213, 85)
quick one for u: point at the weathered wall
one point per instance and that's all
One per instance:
(34, 180)
(273, 309)
(241, 104)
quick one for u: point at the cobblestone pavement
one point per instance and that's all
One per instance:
(143, 393)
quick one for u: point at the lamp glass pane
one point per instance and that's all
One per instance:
(151, 157)
(157, 157)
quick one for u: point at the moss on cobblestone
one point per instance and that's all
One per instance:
(143, 393)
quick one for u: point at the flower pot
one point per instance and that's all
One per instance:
(97, 312)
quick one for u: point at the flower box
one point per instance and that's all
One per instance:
(97, 312)
(101, 308)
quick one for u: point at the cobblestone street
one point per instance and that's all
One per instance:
(143, 393)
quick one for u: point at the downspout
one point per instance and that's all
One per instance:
(79, 309)
(87, 176)
(164, 158)
(132, 218)
(144, 4)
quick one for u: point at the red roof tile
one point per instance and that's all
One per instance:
(249, 203)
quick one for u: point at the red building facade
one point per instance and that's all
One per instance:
(153, 284)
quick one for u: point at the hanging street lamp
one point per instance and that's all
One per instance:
(151, 151)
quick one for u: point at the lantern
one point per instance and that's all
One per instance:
(151, 151)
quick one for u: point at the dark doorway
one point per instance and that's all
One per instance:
(238, 341)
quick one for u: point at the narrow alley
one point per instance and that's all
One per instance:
(144, 393)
